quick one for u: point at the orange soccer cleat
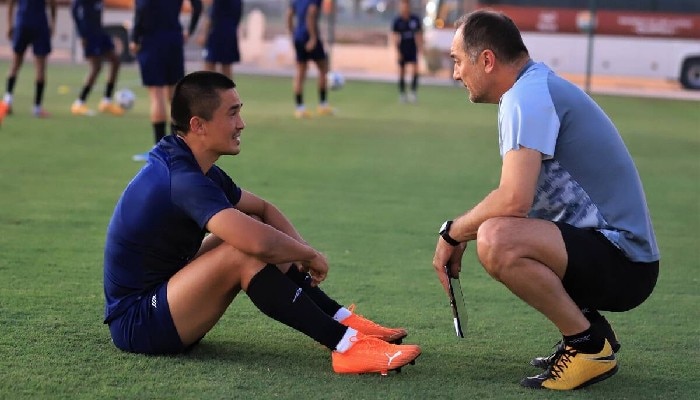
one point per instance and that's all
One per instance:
(370, 354)
(367, 327)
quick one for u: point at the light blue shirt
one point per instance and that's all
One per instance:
(588, 178)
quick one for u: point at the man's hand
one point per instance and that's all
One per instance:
(450, 256)
(317, 267)
(310, 44)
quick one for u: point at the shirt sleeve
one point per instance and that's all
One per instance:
(527, 118)
(201, 197)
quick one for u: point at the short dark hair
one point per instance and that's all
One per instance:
(197, 94)
(487, 29)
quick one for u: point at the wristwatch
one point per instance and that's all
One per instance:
(445, 233)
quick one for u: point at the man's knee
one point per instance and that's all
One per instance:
(494, 248)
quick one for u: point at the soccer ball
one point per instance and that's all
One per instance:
(335, 80)
(125, 98)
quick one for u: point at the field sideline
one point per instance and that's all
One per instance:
(369, 187)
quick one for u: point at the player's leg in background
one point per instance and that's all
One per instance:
(40, 85)
(158, 111)
(79, 107)
(402, 81)
(298, 90)
(17, 60)
(412, 71)
(227, 69)
(323, 107)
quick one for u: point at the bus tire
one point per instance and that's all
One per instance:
(690, 73)
(120, 37)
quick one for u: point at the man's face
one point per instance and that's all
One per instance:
(226, 124)
(469, 73)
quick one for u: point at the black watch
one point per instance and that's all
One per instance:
(445, 233)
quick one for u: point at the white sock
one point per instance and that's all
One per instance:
(341, 314)
(345, 343)
(7, 98)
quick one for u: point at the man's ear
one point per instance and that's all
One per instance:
(488, 60)
(197, 125)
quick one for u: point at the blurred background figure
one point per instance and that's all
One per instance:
(408, 39)
(97, 45)
(221, 36)
(29, 26)
(302, 22)
(158, 41)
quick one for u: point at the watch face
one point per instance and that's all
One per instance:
(443, 228)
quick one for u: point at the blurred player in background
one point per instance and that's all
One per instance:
(158, 41)
(302, 22)
(408, 39)
(97, 45)
(559, 236)
(167, 284)
(221, 36)
(30, 25)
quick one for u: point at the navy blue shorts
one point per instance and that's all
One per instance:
(161, 59)
(38, 37)
(97, 44)
(408, 57)
(598, 274)
(222, 47)
(317, 54)
(147, 327)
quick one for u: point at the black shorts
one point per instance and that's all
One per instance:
(318, 53)
(598, 274)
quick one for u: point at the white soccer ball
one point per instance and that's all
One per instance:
(125, 98)
(335, 80)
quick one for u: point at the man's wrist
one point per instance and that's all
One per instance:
(445, 233)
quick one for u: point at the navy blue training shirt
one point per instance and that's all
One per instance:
(160, 221)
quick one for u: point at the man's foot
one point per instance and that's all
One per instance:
(367, 327)
(39, 112)
(78, 108)
(369, 354)
(141, 157)
(325, 110)
(403, 98)
(602, 326)
(573, 370)
(411, 97)
(110, 108)
(4, 110)
(301, 113)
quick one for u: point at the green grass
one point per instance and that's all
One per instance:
(368, 187)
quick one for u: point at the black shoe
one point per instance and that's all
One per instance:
(602, 325)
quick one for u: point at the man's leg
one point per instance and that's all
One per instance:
(412, 70)
(40, 85)
(200, 293)
(158, 110)
(323, 107)
(298, 89)
(529, 257)
(78, 107)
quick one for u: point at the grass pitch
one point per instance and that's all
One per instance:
(369, 187)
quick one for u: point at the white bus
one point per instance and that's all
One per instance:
(631, 38)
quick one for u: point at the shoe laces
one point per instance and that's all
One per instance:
(562, 358)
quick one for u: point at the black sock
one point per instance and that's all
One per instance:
(318, 296)
(588, 341)
(414, 83)
(592, 315)
(85, 92)
(11, 84)
(38, 93)
(298, 99)
(109, 89)
(322, 95)
(158, 131)
(279, 298)
(402, 85)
